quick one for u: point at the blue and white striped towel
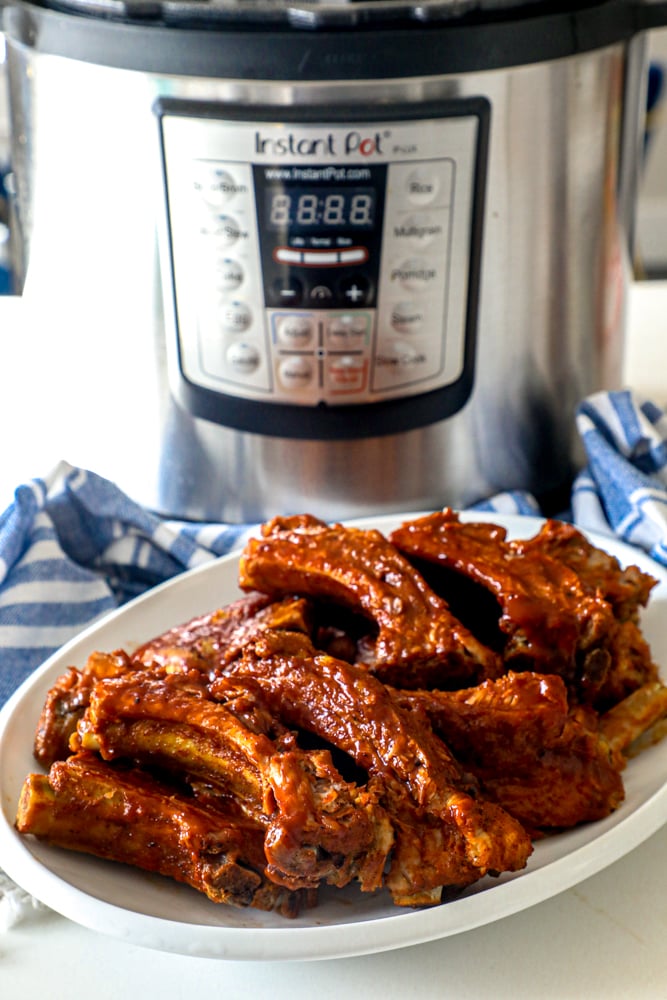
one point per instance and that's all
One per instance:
(73, 546)
(623, 489)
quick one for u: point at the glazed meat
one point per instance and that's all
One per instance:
(318, 827)
(551, 622)
(66, 701)
(416, 641)
(84, 805)
(445, 836)
(219, 636)
(627, 589)
(402, 714)
(546, 764)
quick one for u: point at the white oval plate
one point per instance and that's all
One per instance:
(158, 913)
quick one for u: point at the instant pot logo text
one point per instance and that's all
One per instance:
(350, 144)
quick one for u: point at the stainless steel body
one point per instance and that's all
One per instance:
(559, 202)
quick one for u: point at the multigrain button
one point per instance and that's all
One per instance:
(296, 373)
(419, 229)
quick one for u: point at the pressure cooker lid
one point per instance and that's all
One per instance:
(358, 39)
(317, 12)
(330, 13)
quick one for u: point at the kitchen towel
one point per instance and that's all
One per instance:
(623, 489)
(73, 546)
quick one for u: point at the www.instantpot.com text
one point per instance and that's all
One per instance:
(317, 173)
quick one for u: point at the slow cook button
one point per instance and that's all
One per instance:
(243, 358)
(235, 317)
(400, 358)
(296, 373)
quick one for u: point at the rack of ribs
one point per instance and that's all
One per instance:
(414, 636)
(124, 815)
(446, 837)
(551, 620)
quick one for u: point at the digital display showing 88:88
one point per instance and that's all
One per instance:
(303, 208)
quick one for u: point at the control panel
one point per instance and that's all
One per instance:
(319, 265)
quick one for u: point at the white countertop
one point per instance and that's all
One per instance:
(605, 938)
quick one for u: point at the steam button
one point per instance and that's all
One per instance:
(407, 317)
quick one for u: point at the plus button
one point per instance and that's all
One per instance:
(355, 289)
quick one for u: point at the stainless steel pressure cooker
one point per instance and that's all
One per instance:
(345, 256)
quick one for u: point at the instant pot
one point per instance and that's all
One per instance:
(338, 256)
